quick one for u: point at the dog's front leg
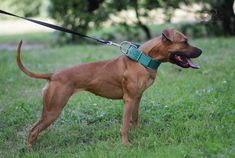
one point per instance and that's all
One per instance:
(129, 106)
(135, 113)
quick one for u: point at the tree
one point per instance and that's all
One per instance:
(222, 14)
(137, 5)
(80, 15)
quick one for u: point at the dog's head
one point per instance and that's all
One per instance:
(172, 46)
(177, 49)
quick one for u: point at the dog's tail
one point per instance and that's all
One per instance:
(46, 76)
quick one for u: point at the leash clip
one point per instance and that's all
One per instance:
(112, 44)
(125, 45)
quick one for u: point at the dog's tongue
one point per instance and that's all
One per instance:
(192, 65)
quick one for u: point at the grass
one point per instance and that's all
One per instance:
(186, 113)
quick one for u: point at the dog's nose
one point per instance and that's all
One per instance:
(199, 52)
(196, 52)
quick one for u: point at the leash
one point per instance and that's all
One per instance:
(128, 48)
(59, 28)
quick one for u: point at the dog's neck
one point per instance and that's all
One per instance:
(153, 48)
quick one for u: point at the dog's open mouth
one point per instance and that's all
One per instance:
(183, 61)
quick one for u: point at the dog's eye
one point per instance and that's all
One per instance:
(185, 42)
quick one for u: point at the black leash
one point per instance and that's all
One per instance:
(59, 28)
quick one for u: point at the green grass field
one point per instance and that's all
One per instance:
(186, 113)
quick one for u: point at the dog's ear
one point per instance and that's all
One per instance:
(168, 34)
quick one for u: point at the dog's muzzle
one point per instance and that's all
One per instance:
(183, 59)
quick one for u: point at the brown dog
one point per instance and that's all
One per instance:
(127, 82)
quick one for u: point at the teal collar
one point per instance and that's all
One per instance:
(142, 58)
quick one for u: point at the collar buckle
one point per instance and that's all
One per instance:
(125, 45)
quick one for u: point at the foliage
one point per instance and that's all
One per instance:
(81, 16)
(222, 20)
(24, 7)
(77, 15)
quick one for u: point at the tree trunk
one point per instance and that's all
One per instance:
(146, 30)
(140, 24)
(227, 17)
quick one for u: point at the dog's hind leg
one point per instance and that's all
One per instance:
(55, 97)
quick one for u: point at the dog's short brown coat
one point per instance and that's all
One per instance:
(120, 78)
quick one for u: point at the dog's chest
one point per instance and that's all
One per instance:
(149, 82)
(146, 82)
